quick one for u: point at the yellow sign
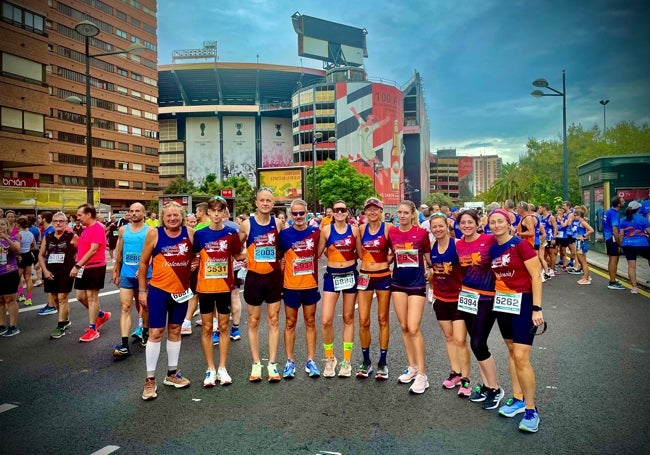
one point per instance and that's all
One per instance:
(287, 183)
(38, 199)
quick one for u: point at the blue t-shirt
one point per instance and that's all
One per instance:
(611, 220)
(634, 230)
(645, 208)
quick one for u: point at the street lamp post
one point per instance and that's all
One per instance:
(604, 103)
(88, 30)
(542, 83)
(317, 136)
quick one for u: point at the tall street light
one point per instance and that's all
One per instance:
(88, 30)
(317, 135)
(542, 83)
(604, 103)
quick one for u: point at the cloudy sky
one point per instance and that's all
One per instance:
(477, 58)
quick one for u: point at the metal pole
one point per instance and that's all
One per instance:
(604, 119)
(89, 146)
(313, 172)
(565, 151)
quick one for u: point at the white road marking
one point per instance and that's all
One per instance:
(106, 450)
(73, 300)
(7, 407)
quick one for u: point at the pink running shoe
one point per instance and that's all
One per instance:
(103, 320)
(89, 335)
(464, 391)
(452, 381)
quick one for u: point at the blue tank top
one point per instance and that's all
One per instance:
(579, 229)
(457, 232)
(341, 247)
(517, 220)
(548, 227)
(538, 230)
(575, 224)
(132, 244)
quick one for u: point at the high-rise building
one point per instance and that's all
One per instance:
(487, 168)
(43, 135)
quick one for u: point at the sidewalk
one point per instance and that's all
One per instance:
(599, 260)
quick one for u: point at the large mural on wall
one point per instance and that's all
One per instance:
(201, 148)
(239, 148)
(277, 142)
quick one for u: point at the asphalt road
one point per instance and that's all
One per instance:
(63, 396)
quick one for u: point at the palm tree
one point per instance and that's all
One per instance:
(506, 186)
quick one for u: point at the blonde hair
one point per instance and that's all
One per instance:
(173, 204)
(415, 220)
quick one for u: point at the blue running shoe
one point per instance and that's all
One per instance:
(479, 392)
(47, 310)
(493, 398)
(311, 369)
(289, 370)
(530, 422)
(234, 334)
(137, 333)
(215, 338)
(512, 407)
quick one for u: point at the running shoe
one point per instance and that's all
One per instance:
(150, 389)
(530, 422)
(634, 290)
(103, 320)
(234, 334)
(479, 392)
(272, 370)
(346, 369)
(311, 369)
(28, 302)
(382, 372)
(137, 333)
(464, 391)
(616, 285)
(210, 378)
(215, 338)
(565, 269)
(452, 381)
(11, 331)
(583, 281)
(408, 375)
(3, 329)
(330, 367)
(89, 334)
(420, 384)
(551, 273)
(364, 370)
(289, 370)
(512, 407)
(256, 373)
(493, 398)
(47, 310)
(186, 328)
(573, 271)
(21, 297)
(570, 264)
(120, 352)
(224, 377)
(67, 324)
(57, 333)
(177, 380)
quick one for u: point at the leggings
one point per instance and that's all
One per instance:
(479, 326)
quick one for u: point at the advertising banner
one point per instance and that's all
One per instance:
(466, 177)
(277, 142)
(239, 148)
(38, 199)
(286, 183)
(202, 148)
(631, 194)
(369, 123)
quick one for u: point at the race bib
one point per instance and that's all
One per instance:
(56, 258)
(364, 280)
(80, 272)
(3, 258)
(407, 258)
(468, 301)
(343, 281)
(132, 258)
(303, 266)
(184, 296)
(237, 265)
(264, 254)
(216, 269)
(507, 302)
(560, 234)
(115, 233)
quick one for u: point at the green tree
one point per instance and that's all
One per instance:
(438, 198)
(180, 186)
(244, 192)
(340, 180)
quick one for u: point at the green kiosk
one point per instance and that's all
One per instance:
(605, 177)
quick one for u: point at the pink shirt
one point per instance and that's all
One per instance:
(93, 234)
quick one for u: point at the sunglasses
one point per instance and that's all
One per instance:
(340, 210)
(301, 213)
(372, 201)
(544, 326)
(218, 198)
(437, 214)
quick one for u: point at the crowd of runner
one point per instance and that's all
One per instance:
(477, 267)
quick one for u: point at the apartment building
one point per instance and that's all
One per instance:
(43, 134)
